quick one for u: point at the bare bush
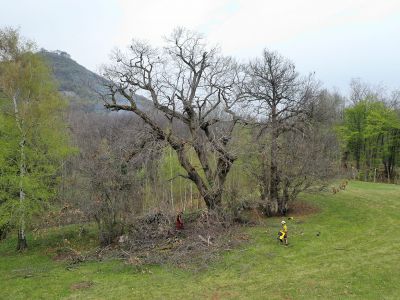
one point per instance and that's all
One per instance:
(104, 175)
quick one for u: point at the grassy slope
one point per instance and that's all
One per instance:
(355, 256)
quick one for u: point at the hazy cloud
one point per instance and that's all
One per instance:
(338, 39)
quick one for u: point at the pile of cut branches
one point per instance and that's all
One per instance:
(153, 239)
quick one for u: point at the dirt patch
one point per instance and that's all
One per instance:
(303, 208)
(82, 285)
(66, 253)
(223, 295)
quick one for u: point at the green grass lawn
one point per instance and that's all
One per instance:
(356, 255)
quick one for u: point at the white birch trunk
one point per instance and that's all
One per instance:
(22, 170)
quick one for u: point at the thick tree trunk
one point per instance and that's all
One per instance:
(284, 200)
(274, 174)
(22, 243)
(270, 206)
(213, 200)
(171, 184)
(212, 194)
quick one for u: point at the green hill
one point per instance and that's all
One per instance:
(73, 78)
(349, 250)
(80, 85)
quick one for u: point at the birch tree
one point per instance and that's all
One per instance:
(29, 97)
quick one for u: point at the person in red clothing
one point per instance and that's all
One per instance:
(179, 221)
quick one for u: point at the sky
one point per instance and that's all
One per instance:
(337, 39)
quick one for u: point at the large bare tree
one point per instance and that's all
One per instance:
(192, 85)
(279, 97)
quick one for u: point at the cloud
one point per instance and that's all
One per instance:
(241, 25)
(151, 20)
(265, 23)
(360, 37)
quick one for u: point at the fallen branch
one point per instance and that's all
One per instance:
(207, 241)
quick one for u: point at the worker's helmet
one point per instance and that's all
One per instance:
(283, 222)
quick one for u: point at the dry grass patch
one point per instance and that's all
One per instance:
(303, 208)
(81, 285)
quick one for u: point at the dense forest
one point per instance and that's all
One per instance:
(181, 128)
